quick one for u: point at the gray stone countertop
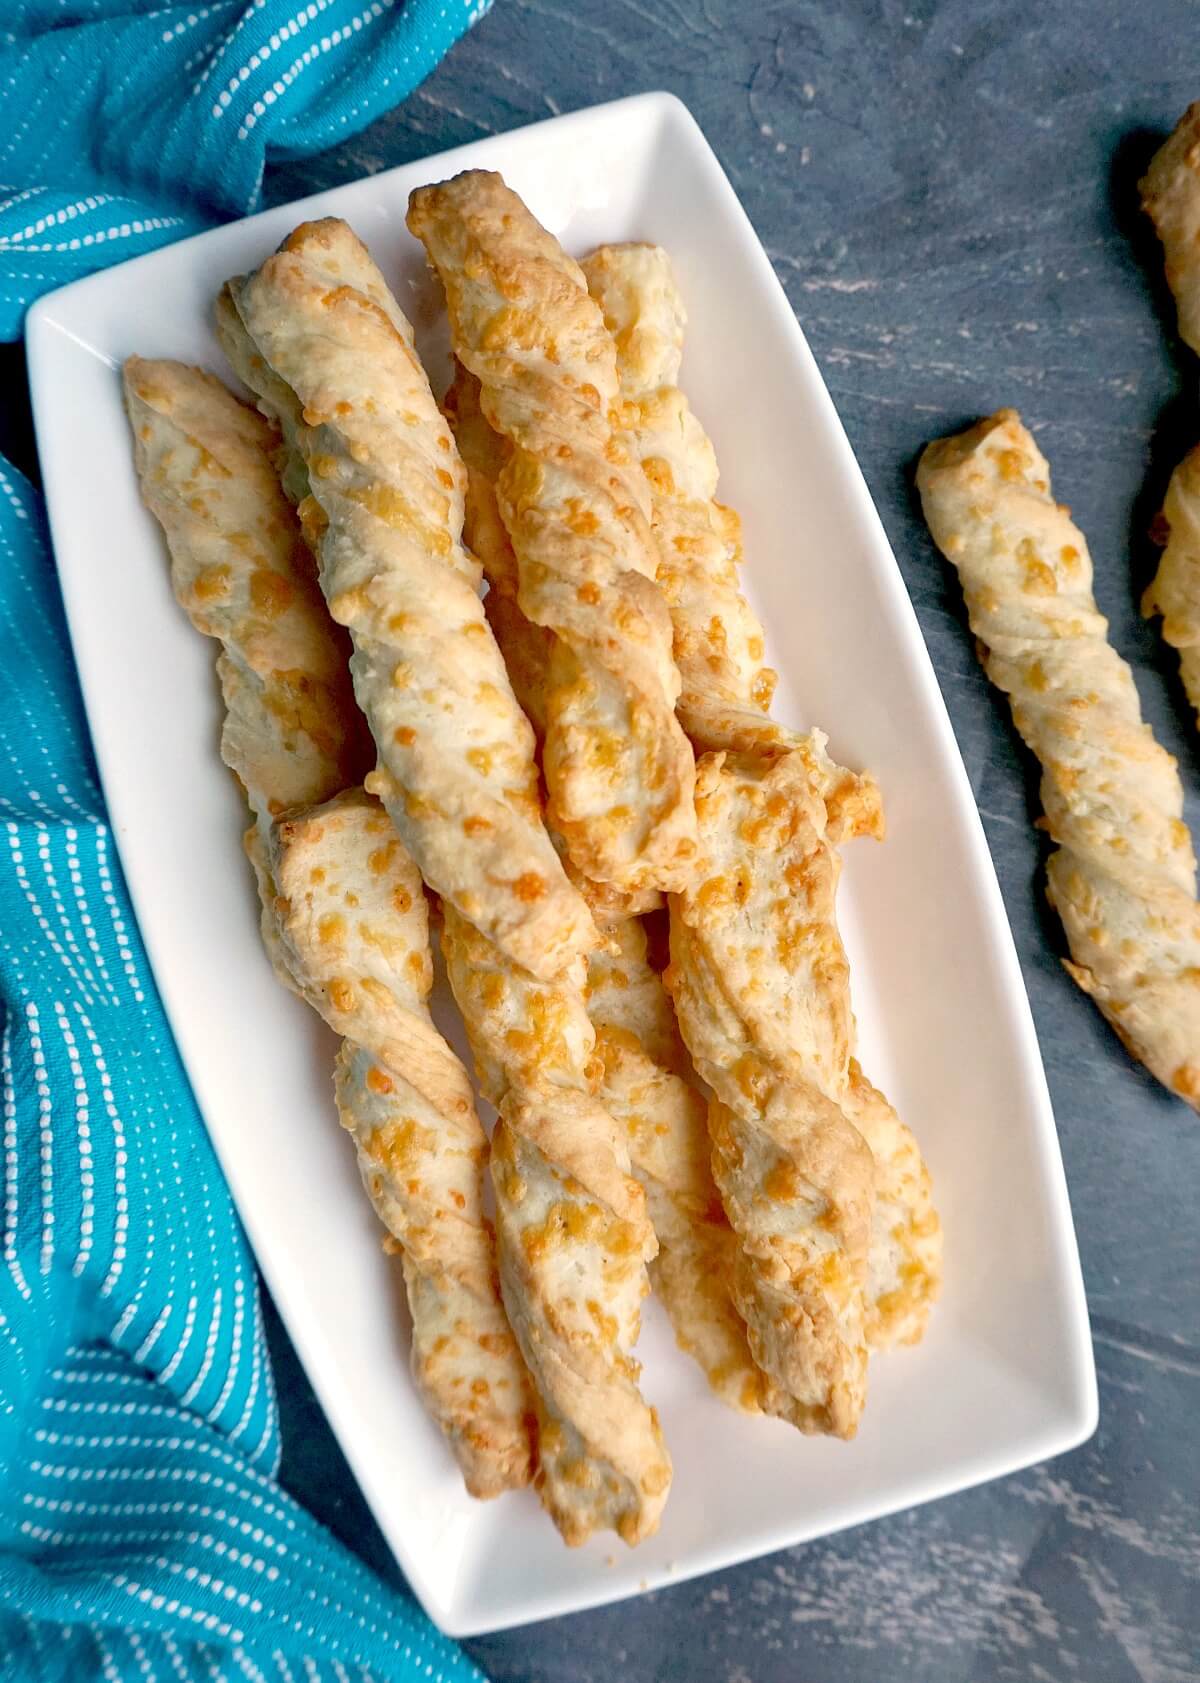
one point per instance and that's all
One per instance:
(948, 193)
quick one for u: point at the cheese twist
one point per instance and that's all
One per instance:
(573, 1239)
(1123, 875)
(1171, 197)
(384, 513)
(618, 767)
(649, 1088)
(645, 1085)
(761, 988)
(726, 690)
(602, 1457)
(718, 641)
(343, 915)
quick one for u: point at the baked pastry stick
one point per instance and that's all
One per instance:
(573, 1239)
(650, 1089)
(1175, 590)
(618, 767)
(384, 514)
(527, 648)
(647, 1084)
(718, 641)
(243, 574)
(1170, 192)
(559, 1066)
(354, 929)
(761, 988)
(1171, 196)
(726, 690)
(294, 738)
(1123, 874)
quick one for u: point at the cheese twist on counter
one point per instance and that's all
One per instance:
(618, 767)
(1170, 192)
(761, 988)
(384, 514)
(1123, 875)
(1171, 197)
(573, 1239)
(343, 916)
(726, 690)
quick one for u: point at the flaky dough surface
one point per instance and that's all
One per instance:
(384, 513)
(343, 915)
(1171, 197)
(761, 987)
(1123, 875)
(574, 1239)
(618, 766)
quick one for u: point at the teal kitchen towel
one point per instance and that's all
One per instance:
(143, 1535)
(127, 126)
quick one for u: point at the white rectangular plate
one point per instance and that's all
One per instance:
(1005, 1376)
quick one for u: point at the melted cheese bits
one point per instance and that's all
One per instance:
(384, 511)
(1123, 875)
(1171, 196)
(618, 767)
(573, 1239)
(354, 933)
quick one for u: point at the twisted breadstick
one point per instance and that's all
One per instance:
(1175, 591)
(354, 928)
(243, 575)
(905, 1266)
(760, 984)
(573, 1239)
(618, 767)
(645, 1085)
(343, 917)
(1123, 876)
(385, 513)
(533, 1048)
(1170, 192)
(1171, 196)
(649, 1088)
(527, 648)
(726, 689)
(718, 641)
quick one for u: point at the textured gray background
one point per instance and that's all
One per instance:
(948, 194)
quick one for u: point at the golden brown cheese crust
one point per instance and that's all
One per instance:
(345, 924)
(1175, 592)
(645, 1068)
(573, 1239)
(761, 988)
(527, 648)
(618, 766)
(354, 932)
(718, 641)
(1123, 876)
(385, 511)
(1171, 196)
(905, 1268)
(243, 575)
(1170, 193)
(642, 1085)
(648, 1086)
